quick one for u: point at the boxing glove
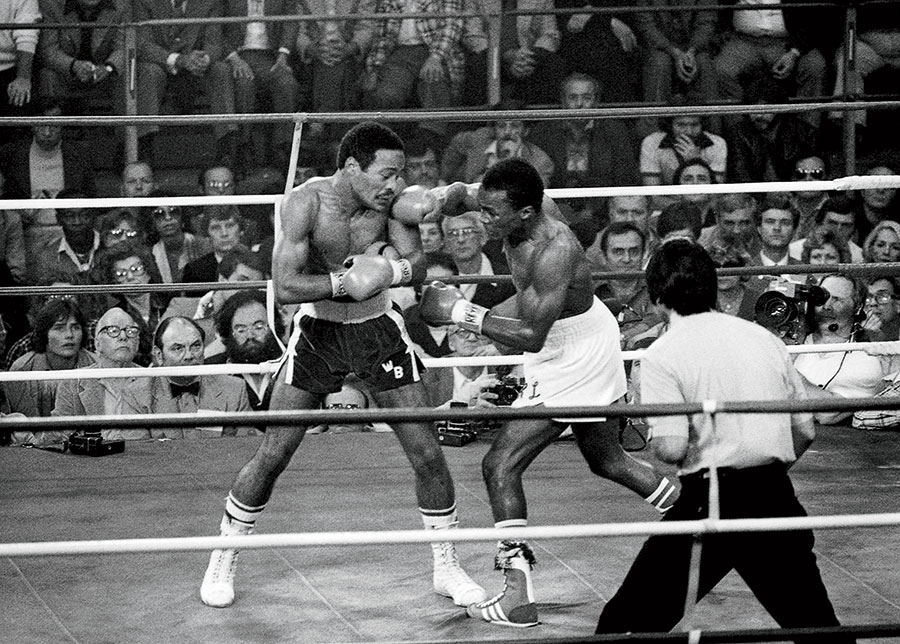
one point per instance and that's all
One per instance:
(456, 199)
(412, 204)
(442, 304)
(382, 248)
(368, 275)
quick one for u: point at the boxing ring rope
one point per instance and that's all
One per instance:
(854, 182)
(710, 525)
(877, 348)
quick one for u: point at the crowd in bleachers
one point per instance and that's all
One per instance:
(338, 63)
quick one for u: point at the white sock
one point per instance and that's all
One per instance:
(440, 519)
(241, 514)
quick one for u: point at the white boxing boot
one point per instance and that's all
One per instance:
(217, 589)
(450, 580)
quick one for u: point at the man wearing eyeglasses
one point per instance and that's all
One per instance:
(176, 248)
(808, 202)
(116, 342)
(882, 309)
(242, 326)
(464, 241)
(178, 342)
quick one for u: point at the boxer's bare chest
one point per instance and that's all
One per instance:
(337, 234)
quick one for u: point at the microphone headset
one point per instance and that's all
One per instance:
(859, 316)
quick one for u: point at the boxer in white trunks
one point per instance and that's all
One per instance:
(572, 358)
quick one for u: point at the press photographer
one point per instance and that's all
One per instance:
(471, 386)
(845, 374)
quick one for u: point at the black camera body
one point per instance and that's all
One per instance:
(456, 433)
(93, 445)
(507, 390)
(782, 309)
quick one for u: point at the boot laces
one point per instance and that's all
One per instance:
(224, 566)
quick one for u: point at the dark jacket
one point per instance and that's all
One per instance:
(58, 48)
(489, 294)
(202, 269)
(418, 332)
(78, 172)
(682, 29)
(156, 43)
(749, 152)
(611, 158)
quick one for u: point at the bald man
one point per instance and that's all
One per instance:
(179, 342)
(116, 339)
(137, 180)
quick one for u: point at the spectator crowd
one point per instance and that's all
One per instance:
(678, 53)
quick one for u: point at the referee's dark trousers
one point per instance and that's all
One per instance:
(779, 567)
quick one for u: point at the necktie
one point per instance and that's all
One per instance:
(192, 388)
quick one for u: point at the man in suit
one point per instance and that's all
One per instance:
(224, 225)
(416, 61)
(333, 53)
(243, 328)
(178, 342)
(776, 220)
(464, 240)
(471, 152)
(78, 63)
(258, 53)
(587, 152)
(116, 341)
(70, 255)
(183, 58)
(529, 46)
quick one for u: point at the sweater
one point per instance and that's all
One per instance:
(16, 40)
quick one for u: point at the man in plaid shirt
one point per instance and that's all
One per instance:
(416, 58)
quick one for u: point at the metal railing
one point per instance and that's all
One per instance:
(851, 98)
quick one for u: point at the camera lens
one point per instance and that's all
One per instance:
(774, 309)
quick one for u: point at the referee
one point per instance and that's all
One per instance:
(707, 355)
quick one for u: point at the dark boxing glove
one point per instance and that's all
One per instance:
(442, 304)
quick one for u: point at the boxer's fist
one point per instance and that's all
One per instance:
(456, 199)
(412, 204)
(367, 275)
(382, 248)
(438, 300)
(443, 304)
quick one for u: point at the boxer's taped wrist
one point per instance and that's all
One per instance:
(337, 284)
(402, 271)
(468, 316)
